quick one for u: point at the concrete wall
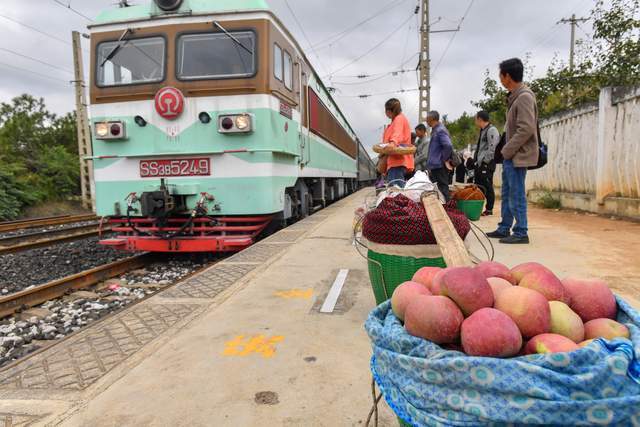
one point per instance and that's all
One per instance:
(594, 155)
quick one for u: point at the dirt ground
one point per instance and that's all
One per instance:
(579, 244)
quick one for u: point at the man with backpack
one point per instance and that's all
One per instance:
(440, 154)
(520, 152)
(484, 161)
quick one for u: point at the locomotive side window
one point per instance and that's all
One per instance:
(216, 55)
(130, 62)
(288, 70)
(277, 62)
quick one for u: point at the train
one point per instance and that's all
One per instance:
(209, 125)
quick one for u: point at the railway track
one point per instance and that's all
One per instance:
(26, 241)
(44, 222)
(39, 294)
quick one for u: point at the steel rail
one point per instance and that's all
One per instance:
(40, 222)
(38, 235)
(24, 246)
(31, 297)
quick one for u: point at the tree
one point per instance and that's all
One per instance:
(38, 155)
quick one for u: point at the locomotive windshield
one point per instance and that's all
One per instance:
(216, 55)
(134, 61)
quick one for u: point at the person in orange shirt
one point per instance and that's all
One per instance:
(398, 133)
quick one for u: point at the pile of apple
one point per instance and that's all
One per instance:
(492, 311)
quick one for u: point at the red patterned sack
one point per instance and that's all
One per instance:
(401, 221)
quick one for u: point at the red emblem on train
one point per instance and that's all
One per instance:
(169, 103)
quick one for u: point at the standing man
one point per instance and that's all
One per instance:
(520, 152)
(440, 150)
(485, 164)
(422, 147)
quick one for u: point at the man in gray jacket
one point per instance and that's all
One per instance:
(485, 164)
(422, 148)
(520, 152)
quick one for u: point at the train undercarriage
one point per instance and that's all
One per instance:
(156, 221)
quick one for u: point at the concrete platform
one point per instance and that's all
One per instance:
(244, 343)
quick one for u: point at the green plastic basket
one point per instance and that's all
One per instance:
(471, 208)
(388, 271)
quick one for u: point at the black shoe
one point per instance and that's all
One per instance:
(515, 240)
(487, 213)
(498, 234)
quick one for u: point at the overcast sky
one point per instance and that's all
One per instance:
(493, 30)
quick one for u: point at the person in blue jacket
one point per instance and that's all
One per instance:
(440, 150)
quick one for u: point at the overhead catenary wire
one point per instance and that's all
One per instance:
(77, 12)
(339, 36)
(44, 76)
(383, 41)
(453, 36)
(304, 33)
(51, 36)
(36, 60)
(382, 73)
(369, 95)
(375, 79)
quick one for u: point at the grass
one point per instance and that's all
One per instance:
(548, 201)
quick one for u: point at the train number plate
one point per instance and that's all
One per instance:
(176, 167)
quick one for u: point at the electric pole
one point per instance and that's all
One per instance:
(82, 122)
(425, 65)
(574, 22)
(425, 62)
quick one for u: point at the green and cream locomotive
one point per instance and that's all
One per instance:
(209, 123)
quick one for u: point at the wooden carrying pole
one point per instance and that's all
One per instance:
(453, 250)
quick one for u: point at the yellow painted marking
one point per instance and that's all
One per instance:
(258, 344)
(295, 293)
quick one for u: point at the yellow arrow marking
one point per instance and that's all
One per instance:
(258, 344)
(295, 293)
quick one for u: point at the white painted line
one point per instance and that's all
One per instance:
(334, 292)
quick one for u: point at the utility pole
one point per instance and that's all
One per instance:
(574, 22)
(425, 65)
(84, 132)
(425, 62)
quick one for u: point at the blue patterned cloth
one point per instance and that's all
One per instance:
(428, 386)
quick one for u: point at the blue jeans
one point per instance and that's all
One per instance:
(514, 200)
(395, 176)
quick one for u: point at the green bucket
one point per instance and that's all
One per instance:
(471, 208)
(387, 271)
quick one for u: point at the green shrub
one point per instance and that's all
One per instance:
(548, 201)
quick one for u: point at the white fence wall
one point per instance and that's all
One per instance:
(572, 138)
(594, 155)
(625, 144)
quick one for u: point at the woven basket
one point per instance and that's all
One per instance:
(392, 265)
(471, 208)
(392, 149)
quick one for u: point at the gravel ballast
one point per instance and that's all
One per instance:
(34, 267)
(25, 333)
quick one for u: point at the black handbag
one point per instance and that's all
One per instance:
(543, 153)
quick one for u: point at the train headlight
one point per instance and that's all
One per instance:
(102, 130)
(235, 123)
(114, 130)
(243, 122)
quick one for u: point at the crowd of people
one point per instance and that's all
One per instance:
(516, 149)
